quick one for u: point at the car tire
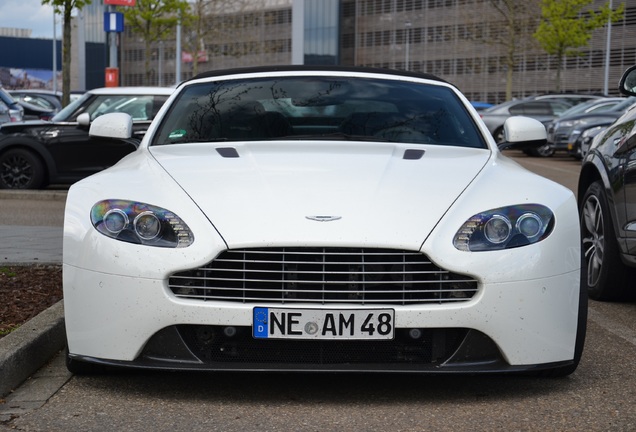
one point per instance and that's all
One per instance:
(544, 151)
(498, 135)
(21, 169)
(604, 275)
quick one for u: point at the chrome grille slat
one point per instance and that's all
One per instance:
(351, 301)
(322, 276)
(314, 291)
(329, 282)
(328, 272)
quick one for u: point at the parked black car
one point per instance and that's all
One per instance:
(607, 204)
(36, 153)
(564, 130)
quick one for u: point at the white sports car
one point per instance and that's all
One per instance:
(332, 219)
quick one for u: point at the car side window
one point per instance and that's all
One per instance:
(534, 108)
(558, 108)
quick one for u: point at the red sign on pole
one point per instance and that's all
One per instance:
(112, 77)
(120, 2)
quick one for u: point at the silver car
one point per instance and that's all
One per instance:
(544, 110)
(4, 113)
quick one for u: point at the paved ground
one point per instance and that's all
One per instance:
(30, 245)
(31, 233)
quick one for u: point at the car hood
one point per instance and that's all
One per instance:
(291, 193)
(22, 126)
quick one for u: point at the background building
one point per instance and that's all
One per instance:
(448, 38)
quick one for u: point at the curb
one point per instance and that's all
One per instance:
(27, 349)
(21, 194)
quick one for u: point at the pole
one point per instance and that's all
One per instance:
(112, 40)
(407, 35)
(178, 53)
(607, 53)
(160, 65)
(81, 51)
(54, 54)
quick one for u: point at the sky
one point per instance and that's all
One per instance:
(29, 14)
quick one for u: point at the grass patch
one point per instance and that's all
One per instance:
(7, 272)
(6, 329)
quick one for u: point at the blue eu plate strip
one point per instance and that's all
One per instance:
(260, 327)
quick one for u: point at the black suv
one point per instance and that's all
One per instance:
(607, 204)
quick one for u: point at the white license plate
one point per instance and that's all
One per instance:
(278, 323)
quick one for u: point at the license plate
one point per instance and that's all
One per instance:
(278, 323)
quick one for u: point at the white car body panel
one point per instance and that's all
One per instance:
(519, 282)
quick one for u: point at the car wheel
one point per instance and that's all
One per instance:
(544, 151)
(605, 276)
(20, 169)
(498, 135)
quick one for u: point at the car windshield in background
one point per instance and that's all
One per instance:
(319, 108)
(139, 107)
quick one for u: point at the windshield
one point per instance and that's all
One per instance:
(140, 107)
(66, 112)
(624, 105)
(318, 108)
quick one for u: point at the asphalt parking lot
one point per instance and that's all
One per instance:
(599, 396)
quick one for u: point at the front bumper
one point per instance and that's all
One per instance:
(137, 322)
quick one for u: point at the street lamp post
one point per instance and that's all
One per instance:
(54, 54)
(407, 26)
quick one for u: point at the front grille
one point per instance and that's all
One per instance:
(323, 276)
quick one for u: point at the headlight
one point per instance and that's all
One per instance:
(590, 133)
(140, 223)
(505, 228)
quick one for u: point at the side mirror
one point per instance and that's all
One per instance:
(523, 133)
(84, 119)
(113, 125)
(627, 84)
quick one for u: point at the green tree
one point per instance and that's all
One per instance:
(197, 27)
(154, 21)
(567, 25)
(65, 8)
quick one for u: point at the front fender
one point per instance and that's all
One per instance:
(594, 169)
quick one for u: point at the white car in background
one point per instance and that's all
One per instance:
(326, 219)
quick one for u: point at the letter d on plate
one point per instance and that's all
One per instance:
(260, 327)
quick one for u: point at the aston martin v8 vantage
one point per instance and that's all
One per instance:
(322, 219)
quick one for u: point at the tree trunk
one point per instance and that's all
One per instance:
(558, 72)
(66, 56)
(147, 57)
